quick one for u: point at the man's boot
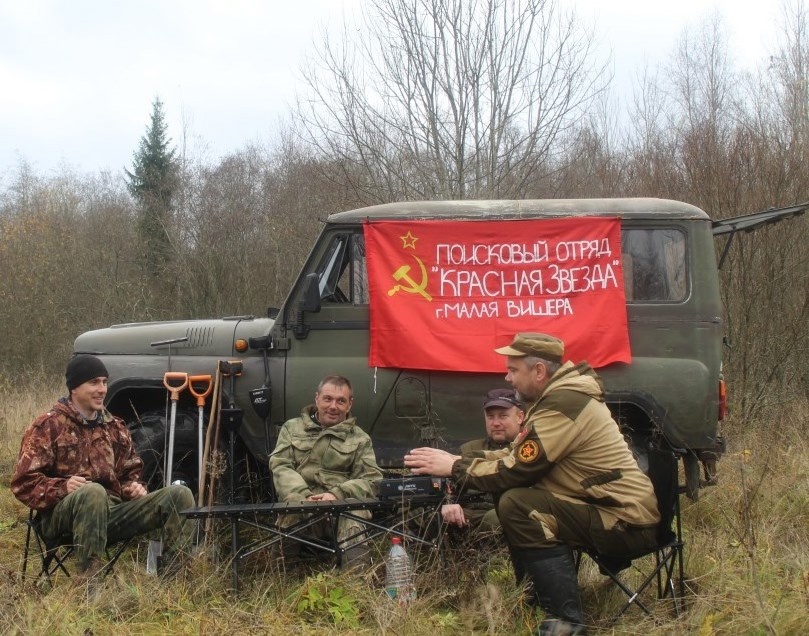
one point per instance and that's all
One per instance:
(90, 578)
(522, 579)
(553, 572)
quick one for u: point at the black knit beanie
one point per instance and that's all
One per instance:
(82, 368)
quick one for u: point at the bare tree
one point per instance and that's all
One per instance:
(683, 122)
(449, 98)
(67, 262)
(767, 279)
(651, 144)
(704, 95)
(245, 228)
(595, 165)
(791, 67)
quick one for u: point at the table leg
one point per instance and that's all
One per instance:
(234, 539)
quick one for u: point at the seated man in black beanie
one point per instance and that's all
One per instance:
(78, 467)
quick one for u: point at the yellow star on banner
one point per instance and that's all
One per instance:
(408, 240)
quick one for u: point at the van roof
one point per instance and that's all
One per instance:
(636, 208)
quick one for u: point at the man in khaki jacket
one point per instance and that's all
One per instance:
(323, 455)
(568, 480)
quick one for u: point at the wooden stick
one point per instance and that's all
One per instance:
(208, 432)
(215, 439)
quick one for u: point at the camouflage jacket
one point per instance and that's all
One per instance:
(570, 446)
(309, 459)
(482, 444)
(60, 444)
(474, 510)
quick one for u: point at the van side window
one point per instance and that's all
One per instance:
(343, 277)
(654, 265)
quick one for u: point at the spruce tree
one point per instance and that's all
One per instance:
(153, 183)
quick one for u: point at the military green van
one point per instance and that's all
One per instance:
(673, 384)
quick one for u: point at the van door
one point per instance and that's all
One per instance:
(390, 404)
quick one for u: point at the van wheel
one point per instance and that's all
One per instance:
(150, 435)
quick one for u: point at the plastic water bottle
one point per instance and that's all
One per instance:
(399, 574)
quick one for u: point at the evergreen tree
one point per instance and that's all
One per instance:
(153, 183)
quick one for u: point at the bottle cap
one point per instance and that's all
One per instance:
(396, 540)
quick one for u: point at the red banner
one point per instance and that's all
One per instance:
(445, 294)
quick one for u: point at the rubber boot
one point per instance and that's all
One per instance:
(520, 575)
(553, 572)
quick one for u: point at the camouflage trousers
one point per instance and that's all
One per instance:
(481, 519)
(94, 518)
(536, 518)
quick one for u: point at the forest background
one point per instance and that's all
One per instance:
(435, 99)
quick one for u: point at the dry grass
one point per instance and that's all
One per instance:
(747, 564)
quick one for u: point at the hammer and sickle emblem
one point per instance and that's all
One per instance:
(403, 274)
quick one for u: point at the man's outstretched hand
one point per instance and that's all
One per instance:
(430, 461)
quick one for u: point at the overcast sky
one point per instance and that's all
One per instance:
(77, 77)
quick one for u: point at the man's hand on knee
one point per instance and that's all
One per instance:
(133, 490)
(74, 482)
(325, 496)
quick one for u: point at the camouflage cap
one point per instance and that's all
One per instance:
(540, 345)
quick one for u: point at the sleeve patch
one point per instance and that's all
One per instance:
(522, 435)
(528, 452)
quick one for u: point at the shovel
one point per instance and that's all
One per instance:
(175, 382)
(195, 381)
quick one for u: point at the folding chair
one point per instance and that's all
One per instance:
(53, 553)
(668, 570)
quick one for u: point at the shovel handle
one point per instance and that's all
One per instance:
(206, 381)
(175, 381)
(229, 368)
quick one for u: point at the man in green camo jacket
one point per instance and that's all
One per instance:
(323, 455)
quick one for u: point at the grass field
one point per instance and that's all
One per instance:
(747, 565)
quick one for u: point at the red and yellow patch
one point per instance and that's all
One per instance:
(528, 452)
